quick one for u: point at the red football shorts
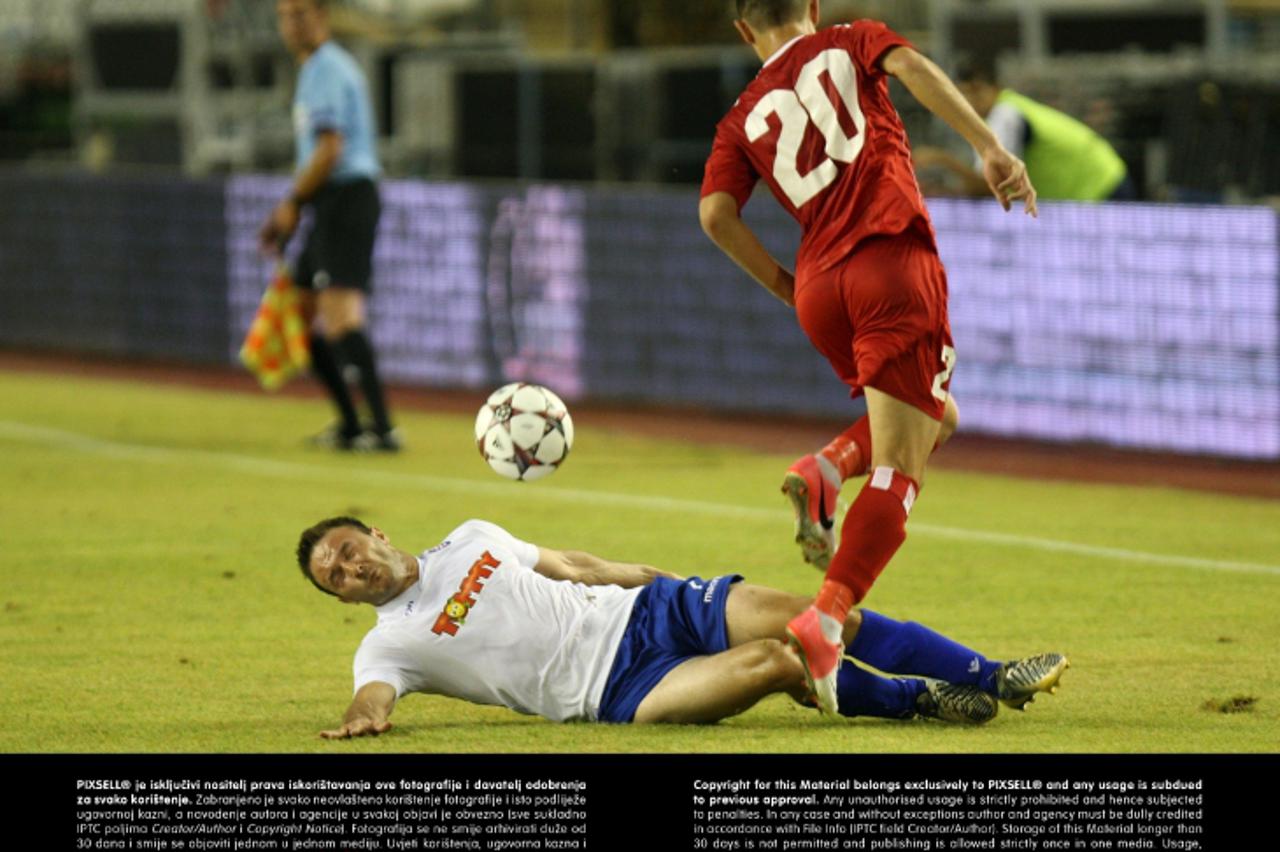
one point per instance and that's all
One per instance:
(880, 318)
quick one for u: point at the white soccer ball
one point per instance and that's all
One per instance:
(524, 431)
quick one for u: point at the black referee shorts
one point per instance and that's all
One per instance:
(339, 248)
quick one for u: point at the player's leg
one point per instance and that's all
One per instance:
(903, 436)
(707, 689)
(821, 312)
(894, 293)
(758, 613)
(874, 528)
(864, 693)
(910, 648)
(894, 647)
(752, 613)
(905, 358)
(755, 612)
(710, 688)
(848, 456)
(675, 662)
(813, 482)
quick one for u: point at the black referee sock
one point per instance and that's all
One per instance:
(325, 364)
(357, 351)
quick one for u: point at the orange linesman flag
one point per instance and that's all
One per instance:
(278, 345)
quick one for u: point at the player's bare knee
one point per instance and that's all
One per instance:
(905, 457)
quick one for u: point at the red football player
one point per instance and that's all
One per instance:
(817, 125)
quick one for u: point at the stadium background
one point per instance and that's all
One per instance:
(540, 225)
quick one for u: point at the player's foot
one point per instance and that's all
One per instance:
(371, 441)
(334, 437)
(814, 502)
(819, 656)
(951, 702)
(1017, 682)
(809, 702)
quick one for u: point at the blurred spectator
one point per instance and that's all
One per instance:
(1065, 159)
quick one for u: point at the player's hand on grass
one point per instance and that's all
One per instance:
(279, 227)
(357, 728)
(1007, 177)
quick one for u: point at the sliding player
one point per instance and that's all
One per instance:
(488, 618)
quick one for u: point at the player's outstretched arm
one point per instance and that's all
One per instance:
(1005, 174)
(580, 567)
(718, 213)
(367, 715)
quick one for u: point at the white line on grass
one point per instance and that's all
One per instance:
(317, 472)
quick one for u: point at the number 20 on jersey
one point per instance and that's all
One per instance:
(809, 103)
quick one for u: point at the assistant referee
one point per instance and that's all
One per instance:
(337, 170)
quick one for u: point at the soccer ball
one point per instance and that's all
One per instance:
(524, 431)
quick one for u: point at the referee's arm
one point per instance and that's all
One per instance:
(318, 169)
(283, 220)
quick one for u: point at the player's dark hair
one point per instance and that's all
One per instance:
(976, 69)
(763, 14)
(313, 534)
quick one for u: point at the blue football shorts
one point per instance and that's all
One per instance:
(672, 621)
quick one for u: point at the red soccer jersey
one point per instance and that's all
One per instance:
(817, 124)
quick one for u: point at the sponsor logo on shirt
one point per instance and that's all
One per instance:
(458, 606)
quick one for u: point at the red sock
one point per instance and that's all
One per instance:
(835, 599)
(850, 451)
(874, 529)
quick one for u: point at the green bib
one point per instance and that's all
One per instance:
(1065, 158)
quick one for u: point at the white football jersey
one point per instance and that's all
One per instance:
(481, 624)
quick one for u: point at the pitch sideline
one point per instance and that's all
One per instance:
(254, 465)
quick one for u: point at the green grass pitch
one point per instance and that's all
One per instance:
(150, 602)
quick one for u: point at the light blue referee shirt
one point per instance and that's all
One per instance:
(333, 95)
